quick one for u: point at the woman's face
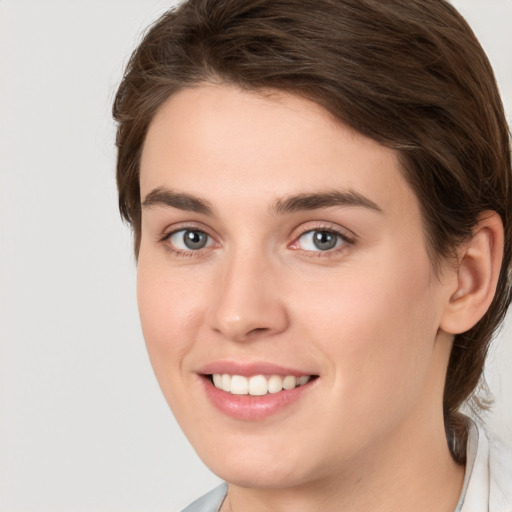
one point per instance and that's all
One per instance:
(284, 253)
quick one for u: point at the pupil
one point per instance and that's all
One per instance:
(194, 239)
(324, 240)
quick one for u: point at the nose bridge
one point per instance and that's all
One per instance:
(247, 302)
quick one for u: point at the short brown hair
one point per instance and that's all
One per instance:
(410, 74)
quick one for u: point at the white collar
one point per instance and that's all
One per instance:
(488, 480)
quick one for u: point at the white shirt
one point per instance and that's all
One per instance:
(488, 480)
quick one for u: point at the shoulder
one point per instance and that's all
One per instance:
(210, 502)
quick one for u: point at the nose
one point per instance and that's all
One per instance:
(248, 304)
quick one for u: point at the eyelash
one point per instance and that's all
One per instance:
(341, 236)
(179, 252)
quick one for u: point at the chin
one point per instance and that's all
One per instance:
(271, 475)
(261, 464)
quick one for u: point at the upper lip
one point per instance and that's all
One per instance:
(247, 369)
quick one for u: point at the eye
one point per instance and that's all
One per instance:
(189, 240)
(320, 240)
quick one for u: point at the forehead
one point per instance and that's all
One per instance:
(231, 145)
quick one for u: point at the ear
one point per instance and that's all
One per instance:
(478, 268)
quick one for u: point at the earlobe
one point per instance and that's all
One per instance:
(478, 269)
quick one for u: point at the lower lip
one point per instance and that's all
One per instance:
(249, 407)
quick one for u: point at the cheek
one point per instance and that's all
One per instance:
(168, 306)
(377, 329)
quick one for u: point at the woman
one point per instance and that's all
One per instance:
(320, 198)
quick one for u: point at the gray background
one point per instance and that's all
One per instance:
(83, 424)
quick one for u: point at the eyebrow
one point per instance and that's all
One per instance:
(326, 199)
(166, 197)
(161, 196)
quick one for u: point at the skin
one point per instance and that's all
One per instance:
(369, 317)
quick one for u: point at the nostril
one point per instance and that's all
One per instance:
(257, 331)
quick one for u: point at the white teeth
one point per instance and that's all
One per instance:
(239, 385)
(217, 380)
(303, 380)
(289, 382)
(226, 382)
(257, 385)
(275, 384)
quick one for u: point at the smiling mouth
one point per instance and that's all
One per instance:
(257, 385)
